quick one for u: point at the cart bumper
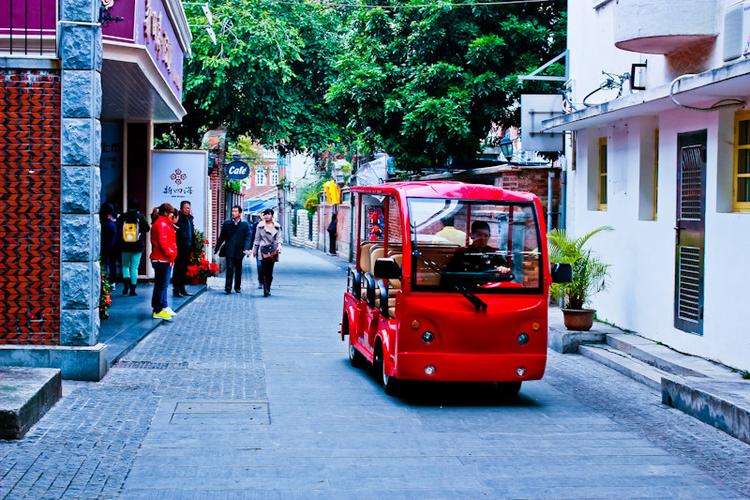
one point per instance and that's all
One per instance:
(470, 367)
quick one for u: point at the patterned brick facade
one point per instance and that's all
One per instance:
(30, 118)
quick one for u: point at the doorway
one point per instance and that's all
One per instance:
(690, 231)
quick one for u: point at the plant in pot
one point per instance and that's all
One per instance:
(589, 276)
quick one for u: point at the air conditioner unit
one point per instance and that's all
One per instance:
(737, 30)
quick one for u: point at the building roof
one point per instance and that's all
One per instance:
(730, 80)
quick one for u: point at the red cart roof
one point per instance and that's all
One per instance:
(445, 189)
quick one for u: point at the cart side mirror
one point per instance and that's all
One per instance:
(387, 268)
(562, 273)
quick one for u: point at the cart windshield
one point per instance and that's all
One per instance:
(475, 246)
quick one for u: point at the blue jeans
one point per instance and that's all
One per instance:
(162, 270)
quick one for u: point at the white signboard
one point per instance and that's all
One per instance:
(536, 108)
(178, 175)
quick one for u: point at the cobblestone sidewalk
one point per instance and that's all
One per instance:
(85, 446)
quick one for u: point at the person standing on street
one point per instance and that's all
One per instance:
(163, 255)
(332, 235)
(267, 245)
(258, 261)
(131, 228)
(234, 243)
(108, 248)
(185, 237)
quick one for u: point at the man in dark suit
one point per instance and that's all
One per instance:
(184, 249)
(235, 236)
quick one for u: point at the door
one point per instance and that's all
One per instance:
(690, 231)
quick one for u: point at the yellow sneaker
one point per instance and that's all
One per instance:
(163, 314)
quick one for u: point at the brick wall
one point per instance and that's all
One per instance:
(30, 118)
(534, 181)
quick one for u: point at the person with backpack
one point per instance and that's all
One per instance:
(131, 226)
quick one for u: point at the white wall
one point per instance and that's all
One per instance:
(642, 253)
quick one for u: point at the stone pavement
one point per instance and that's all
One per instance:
(252, 397)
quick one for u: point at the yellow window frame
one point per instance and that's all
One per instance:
(656, 171)
(739, 206)
(602, 177)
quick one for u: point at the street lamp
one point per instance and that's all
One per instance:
(506, 147)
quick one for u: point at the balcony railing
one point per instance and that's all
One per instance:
(28, 28)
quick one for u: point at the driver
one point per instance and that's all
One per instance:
(479, 256)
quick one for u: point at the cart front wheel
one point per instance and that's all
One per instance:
(391, 385)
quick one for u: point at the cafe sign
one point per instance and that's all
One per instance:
(237, 170)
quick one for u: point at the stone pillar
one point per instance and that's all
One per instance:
(81, 59)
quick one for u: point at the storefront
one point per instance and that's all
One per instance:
(80, 94)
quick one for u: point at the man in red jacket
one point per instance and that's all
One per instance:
(163, 255)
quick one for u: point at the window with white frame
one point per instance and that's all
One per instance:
(260, 177)
(274, 176)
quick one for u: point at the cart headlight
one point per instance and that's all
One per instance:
(429, 369)
(523, 339)
(520, 371)
(428, 337)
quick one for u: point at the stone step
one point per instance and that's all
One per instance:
(625, 364)
(664, 358)
(722, 403)
(25, 396)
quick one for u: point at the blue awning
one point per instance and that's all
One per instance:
(254, 206)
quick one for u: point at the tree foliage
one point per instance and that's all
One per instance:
(267, 75)
(424, 84)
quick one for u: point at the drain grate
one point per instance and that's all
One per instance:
(153, 365)
(220, 412)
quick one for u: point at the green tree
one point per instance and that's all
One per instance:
(426, 83)
(266, 77)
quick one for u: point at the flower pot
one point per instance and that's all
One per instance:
(578, 319)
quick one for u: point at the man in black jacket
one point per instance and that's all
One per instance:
(185, 229)
(235, 235)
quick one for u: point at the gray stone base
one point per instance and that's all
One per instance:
(567, 341)
(725, 404)
(25, 396)
(75, 363)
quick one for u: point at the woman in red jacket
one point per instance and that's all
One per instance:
(163, 255)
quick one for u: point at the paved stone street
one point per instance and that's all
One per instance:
(245, 396)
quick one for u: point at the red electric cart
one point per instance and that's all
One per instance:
(451, 284)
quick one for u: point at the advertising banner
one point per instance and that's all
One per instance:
(178, 175)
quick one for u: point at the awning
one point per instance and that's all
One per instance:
(731, 80)
(255, 205)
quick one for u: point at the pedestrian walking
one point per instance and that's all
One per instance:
(131, 229)
(163, 255)
(332, 234)
(234, 243)
(108, 246)
(267, 245)
(185, 238)
(255, 220)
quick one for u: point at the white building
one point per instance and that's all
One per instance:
(673, 181)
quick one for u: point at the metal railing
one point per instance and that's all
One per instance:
(28, 28)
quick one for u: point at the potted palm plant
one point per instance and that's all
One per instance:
(589, 276)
